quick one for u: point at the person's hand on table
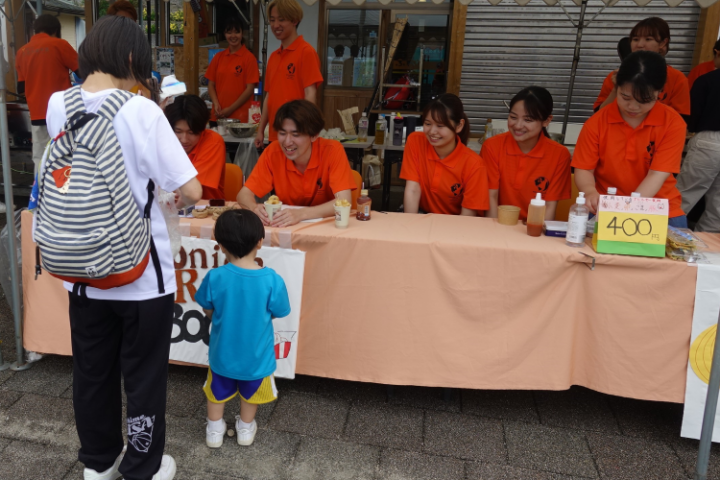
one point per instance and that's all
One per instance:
(262, 213)
(288, 217)
(259, 139)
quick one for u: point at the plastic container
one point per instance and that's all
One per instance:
(635, 195)
(364, 202)
(612, 191)
(363, 124)
(536, 216)
(397, 135)
(380, 128)
(577, 223)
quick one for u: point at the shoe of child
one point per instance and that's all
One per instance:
(245, 436)
(167, 469)
(111, 473)
(213, 436)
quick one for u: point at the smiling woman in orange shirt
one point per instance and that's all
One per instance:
(233, 75)
(443, 175)
(524, 161)
(302, 168)
(634, 144)
(652, 35)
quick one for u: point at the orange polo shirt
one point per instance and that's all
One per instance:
(622, 156)
(232, 72)
(676, 93)
(520, 176)
(44, 64)
(702, 69)
(327, 173)
(458, 180)
(208, 158)
(289, 71)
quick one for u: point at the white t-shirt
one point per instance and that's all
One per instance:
(151, 151)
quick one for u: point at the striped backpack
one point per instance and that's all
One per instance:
(87, 225)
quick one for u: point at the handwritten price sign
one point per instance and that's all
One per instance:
(631, 226)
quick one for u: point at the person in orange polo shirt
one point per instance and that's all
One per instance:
(188, 116)
(303, 169)
(233, 75)
(43, 66)
(442, 174)
(652, 35)
(705, 67)
(634, 144)
(293, 70)
(524, 161)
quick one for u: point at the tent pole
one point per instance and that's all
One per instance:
(20, 363)
(703, 458)
(38, 7)
(576, 60)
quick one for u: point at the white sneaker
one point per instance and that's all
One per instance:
(245, 436)
(167, 469)
(111, 473)
(215, 439)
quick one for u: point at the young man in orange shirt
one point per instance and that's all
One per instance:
(705, 67)
(188, 117)
(293, 70)
(43, 66)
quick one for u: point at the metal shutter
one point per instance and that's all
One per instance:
(509, 47)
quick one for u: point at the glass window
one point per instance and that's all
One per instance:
(352, 53)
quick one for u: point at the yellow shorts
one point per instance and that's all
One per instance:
(219, 389)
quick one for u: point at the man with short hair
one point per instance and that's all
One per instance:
(293, 70)
(705, 67)
(43, 66)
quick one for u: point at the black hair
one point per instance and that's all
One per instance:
(235, 24)
(47, 23)
(190, 108)
(538, 103)
(624, 48)
(110, 44)
(306, 115)
(339, 50)
(238, 231)
(646, 71)
(448, 110)
(716, 47)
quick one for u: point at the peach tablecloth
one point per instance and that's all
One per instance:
(450, 301)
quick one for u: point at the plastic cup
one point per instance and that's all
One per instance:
(342, 216)
(271, 208)
(508, 214)
(206, 232)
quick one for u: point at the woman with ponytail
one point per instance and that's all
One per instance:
(443, 175)
(524, 161)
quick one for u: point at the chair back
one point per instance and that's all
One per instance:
(233, 181)
(562, 211)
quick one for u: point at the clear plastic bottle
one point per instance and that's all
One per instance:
(364, 202)
(380, 128)
(577, 223)
(536, 216)
(363, 124)
(612, 191)
(635, 195)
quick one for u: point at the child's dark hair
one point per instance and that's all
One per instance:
(239, 231)
(654, 27)
(307, 117)
(448, 110)
(646, 71)
(47, 23)
(190, 108)
(236, 25)
(110, 44)
(538, 103)
(624, 48)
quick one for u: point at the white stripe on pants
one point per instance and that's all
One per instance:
(700, 176)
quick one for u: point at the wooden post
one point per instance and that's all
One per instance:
(707, 34)
(89, 16)
(457, 44)
(191, 54)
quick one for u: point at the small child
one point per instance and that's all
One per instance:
(241, 298)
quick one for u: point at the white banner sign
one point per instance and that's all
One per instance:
(191, 328)
(702, 344)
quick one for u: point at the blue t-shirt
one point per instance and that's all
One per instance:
(244, 302)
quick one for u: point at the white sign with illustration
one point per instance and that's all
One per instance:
(191, 328)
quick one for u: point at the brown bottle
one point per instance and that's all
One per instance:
(363, 206)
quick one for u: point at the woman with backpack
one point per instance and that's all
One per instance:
(123, 330)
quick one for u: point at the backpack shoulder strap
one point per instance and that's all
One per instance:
(113, 103)
(73, 102)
